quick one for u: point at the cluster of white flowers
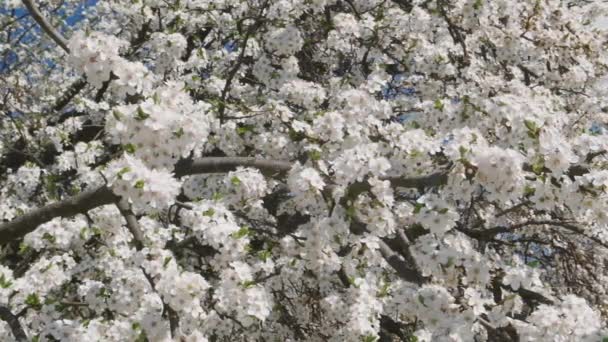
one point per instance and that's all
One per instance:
(184, 292)
(41, 278)
(329, 127)
(214, 225)
(572, 317)
(304, 179)
(354, 164)
(557, 153)
(436, 214)
(169, 48)
(147, 189)
(59, 233)
(245, 185)
(97, 55)
(438, 310)
(302, 93)
(521, 276)
(238, 294)
(24, 181)
(284, 41)
(161, 129)
(499, 171)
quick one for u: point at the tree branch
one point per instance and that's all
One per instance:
(28, 222)
(100, 196)
(94, 198)
(484, 234)
(46, 27)
(13, 322)
(187, 167)
(125, 209)
(404, 271)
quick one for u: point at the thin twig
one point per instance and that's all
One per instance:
(45, 25)
(125, 209)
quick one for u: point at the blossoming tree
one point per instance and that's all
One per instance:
(303, 170)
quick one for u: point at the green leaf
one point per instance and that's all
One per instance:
(264, 255)
(51, 187)
(235, 180)
(315, 155)
(369, 338)
(463, 151)
(74, 190)
(5, 283)
(534, 264)
(248, 284)
(538, 166)
(450, 262)
(242, 232)
(438, 105)
(83, 233)
(142, 337)
(117, 115)
(296, 136)
(350, 212)
(209, 212)
(156, 98)
(241, 130)
(123, 171)
(179, 133)
(383, 292)
(23, 248)
(48, 237)
(33, 301)
(96, 231)
(139, 184)
(141, 115)
(418, 207)
(129, 148)
(533, 130)
(421, 300)
(167, 261)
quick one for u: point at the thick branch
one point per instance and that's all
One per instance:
(225, 164)
(13, 322)
(101, 196)
(91, 199)
(46, 27)
(69, 207)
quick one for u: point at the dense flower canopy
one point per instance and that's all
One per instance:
(303, 170)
